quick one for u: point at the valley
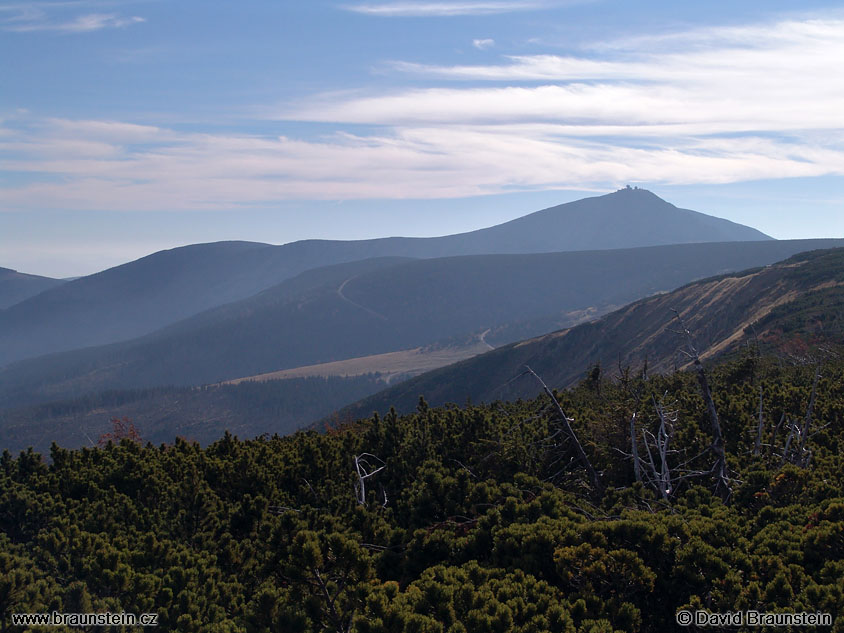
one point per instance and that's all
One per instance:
(376, 332)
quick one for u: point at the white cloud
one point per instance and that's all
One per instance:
(424, 9)
(787, 48)
(80, 24)
(777, 78)
(52, 16)
(107, 130)
(736, 104)
(123, 169)
(483, 44)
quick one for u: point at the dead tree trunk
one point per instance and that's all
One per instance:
(722, 481)
(637, 469)
(666, 430)
(786, 451)
(719, 468)
(570, 434)
(365, 468)
(653, 467)
(757, 447)
(807, 422)
(776, 432)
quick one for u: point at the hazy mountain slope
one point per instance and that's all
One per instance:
(377, 306)
(198, 346)
(623, 219)
(150, 293)
(627, 218)
(802, 296)
(16, 287)
(201, 414)
(139, 297)
(134, 298)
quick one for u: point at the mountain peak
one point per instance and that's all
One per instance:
(628, 217)
(630, 192)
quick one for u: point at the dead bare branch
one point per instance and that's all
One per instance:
(570, 434)
(807, 421)
(365, 470)
(759, 427)
(637, 469)
(719, 469)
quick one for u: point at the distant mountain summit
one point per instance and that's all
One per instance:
(141, 296)
(382, 305)
(626, 218)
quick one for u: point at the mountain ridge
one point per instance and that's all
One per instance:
(408, 303)
(16, 286)
(721, 311)
(781, 307)
(139, 297)
(647, 220)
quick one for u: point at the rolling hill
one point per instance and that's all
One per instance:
(306, 320)
(16, 287)
(801, 298)
(142, 296)
(196, 413)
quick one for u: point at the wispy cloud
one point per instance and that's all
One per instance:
(745, 104)
(424, 9)
(80, 24)
(53, 16)
(780, 77)
(720, 52)
(483, 44)
(116, 166)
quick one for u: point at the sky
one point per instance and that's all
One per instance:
(128, 127)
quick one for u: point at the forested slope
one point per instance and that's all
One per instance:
(142, 296)
(381, 305)
(803, 295)
(196, 413)
(474, 519)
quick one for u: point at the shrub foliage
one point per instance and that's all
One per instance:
(456, 520)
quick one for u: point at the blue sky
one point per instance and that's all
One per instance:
(128, 127)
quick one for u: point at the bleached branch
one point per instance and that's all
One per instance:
(365, 470)
(719, 469)
(570, 434)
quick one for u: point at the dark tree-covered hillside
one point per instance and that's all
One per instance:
(457, 519)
